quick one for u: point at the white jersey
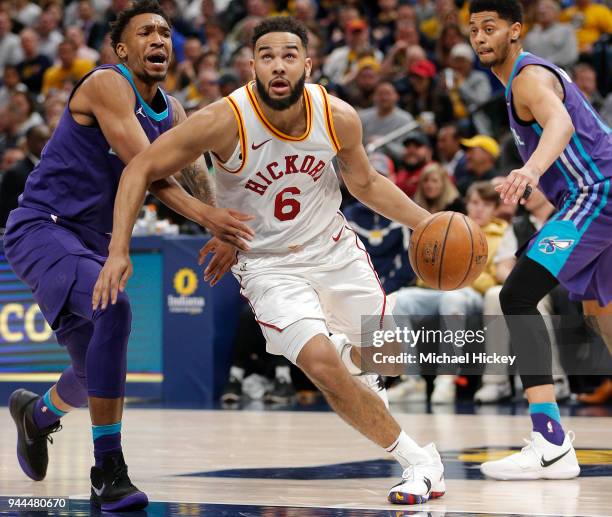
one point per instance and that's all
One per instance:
(288, 183)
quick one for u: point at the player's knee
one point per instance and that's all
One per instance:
(323, 366)
(514, 299)
(117, 316)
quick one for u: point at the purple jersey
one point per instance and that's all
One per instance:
(578, 177)
(78, 174)
(575, 245)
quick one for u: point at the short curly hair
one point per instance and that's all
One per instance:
(509, 10)
(139, 7)
(281, 24)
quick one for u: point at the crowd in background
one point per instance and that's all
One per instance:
(400, 63)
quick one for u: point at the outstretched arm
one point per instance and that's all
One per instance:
(367, 185)
(538, 94)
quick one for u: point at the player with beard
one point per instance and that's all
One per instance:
(306, 273)
(58, 238)
(567, 151)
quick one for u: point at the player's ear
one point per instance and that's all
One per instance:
(308, 63)
(121, 51)
(515, 32)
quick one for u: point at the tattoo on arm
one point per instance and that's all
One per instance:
(196, 179)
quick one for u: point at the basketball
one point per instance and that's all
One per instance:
(448, 251)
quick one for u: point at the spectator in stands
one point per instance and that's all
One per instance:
(425, 97)
(24, 114)
(306, 12)
(54, 107)
(496, 387)
(551, 39)
(75, 34)
(50, 36)
(341, 64)
(450, 152)
(384, 23)
(241, 64)
(205, 90)
(406, 36)
(590, 20)
(34, 64)
(386, 241)
(436, 192)
(186, 71)
(482, 153)
(445, 12)
(93, 32)
(359, 93)
(10, 48)
(14, 179)
(417, 154)
(450, 36)
(414, 303)
(11, 83)
(10, 157)
(586, 79)
(385, 117)
(467, 88)
(70, 69)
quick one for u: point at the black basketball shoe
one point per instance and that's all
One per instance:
(111, 488)
(31, 441)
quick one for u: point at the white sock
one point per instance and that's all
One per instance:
(237, 373)
(407, 452)
(283, 373)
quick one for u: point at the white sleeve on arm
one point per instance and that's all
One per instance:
(507, 247)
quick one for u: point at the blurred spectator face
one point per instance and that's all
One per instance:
(22, 105)
(314, 51)
(346, 14)
(461, 65)
(208, 84)
(37, 139)
(5, 23)
(119, 5)
(169, 8)
(387, 5)
(11, 77)
(480, 210)
(444, 8)
(406, 12)
(356, 37)
(414, 53)
(248, 28)
(66, 53)
(46, 23)
(214, 35)
(85, 10)
(406, 30)
(451, 35)
(385, 97)
(281, 67)
(10, 157)
(207, 8)
(56, 10)
(29, 42)
(547, 12)
(448, 143)
(479, 161)
(416, 154)
(258, 8)
(433, 186)
(75, 34)
(305, 10)
(242, 65)
(54, 106)
(367, 79)
(192, 49)
(209, 61)
(147, 55)
(586, 79)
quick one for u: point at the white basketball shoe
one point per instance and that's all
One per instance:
(540, 459)
(420, 482)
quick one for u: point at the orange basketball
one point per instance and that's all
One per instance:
(448, 251)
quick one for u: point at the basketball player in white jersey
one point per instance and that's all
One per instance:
(306, 274)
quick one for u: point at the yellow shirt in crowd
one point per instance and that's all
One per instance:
(56, 76)
(590, 23)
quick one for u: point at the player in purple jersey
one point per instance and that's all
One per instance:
(57, 241)
(567, 151)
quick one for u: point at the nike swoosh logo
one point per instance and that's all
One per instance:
(428, 483)
(28, 440)
(255, 147)
(98, 491)
(548, 463)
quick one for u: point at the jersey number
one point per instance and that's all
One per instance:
(287, 208)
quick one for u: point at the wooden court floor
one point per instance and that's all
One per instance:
(310, 464)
